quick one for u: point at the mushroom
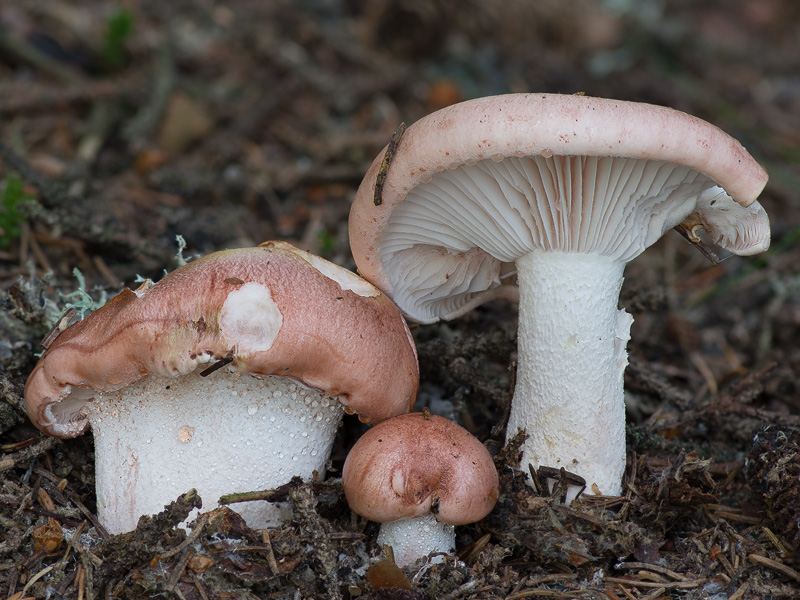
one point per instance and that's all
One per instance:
(419, 475)
(544, 198)
(228, 375)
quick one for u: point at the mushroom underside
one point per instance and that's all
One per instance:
(473, 222)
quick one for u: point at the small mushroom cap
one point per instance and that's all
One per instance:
(473, 187)
(413, 464)
(274, 310)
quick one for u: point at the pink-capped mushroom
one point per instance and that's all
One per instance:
(544, 198)
(419, 475)
(230, 374)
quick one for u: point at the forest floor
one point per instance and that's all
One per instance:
(127, 124)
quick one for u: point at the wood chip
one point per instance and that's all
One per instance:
(774, 565)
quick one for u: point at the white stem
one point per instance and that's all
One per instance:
(416, 538)
(570, 365)
(220, 434)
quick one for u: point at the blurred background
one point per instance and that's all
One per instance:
(131, 128)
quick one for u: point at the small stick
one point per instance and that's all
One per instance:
(179, 568)
(387, 161)
(60, 326)
(774, 565)
(198, 529)
(217, 365)
(247, 497)
(273, 564)
(688, 229)
(651, 567)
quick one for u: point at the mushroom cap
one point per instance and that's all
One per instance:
(273, 309)
(399, 468)
(473, 187)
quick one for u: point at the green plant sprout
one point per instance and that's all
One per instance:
(118, 30)
(11, 217)
(327, 243)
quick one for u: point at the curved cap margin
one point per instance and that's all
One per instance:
(542, 124)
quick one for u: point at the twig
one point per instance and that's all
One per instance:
(680, 585)
(774, 565)
(38, 576)
(201, 523)
(650, 567)
(273, 564)
(380, 180)
(180, 567)
(655, 594)
(38, 59)
(740, 592)
(89, 515)
(87, 567)
(269, 495)
(228, 359)
(688, 229)
(62, 323)
(80, 581)
(199, 587)
(27, 96)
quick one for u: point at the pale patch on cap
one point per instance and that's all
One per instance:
(250, 318)
(347, 280)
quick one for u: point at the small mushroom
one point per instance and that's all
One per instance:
(419, 475)
(228, 375)
(544, 198)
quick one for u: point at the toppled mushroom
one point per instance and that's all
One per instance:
(419, 475)
(228, 375)
(545, 198)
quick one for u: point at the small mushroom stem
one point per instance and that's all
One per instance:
(417, 537)
(162, 436)
(570, 366)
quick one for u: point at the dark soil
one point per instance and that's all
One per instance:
(234, 123)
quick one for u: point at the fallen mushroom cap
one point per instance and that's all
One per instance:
(560, 191)
(415, 465)
(310, 329)
(438, 249)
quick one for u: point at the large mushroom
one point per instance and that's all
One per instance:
(228, 375)
(419, 475)
(545, 198)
